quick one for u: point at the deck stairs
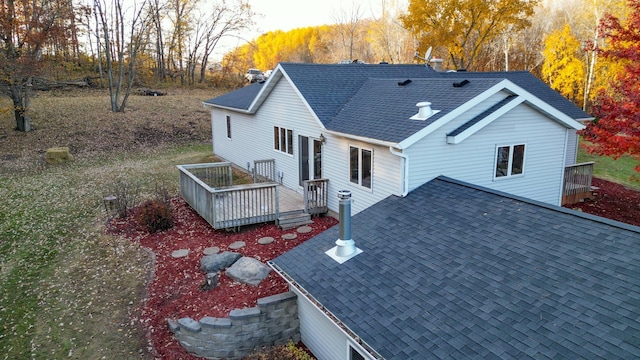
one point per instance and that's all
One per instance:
(293, 219)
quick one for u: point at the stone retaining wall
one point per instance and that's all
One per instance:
(273, 322)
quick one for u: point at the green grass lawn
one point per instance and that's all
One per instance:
(66, 289)
(619, 171)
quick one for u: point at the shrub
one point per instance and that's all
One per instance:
(126, 195)
(155, 215)
(282, 352)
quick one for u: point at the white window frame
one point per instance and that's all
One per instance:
(360, 151)
(509, 174)
(359, 349)
(288, 140)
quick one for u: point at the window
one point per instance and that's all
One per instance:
(354, 354)
(228, 127)
(283, 139)
(509, 161)
(360, 161)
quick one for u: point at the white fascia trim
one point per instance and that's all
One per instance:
(542, 106)
(212, 106)
(453, 114)
(484, 122)
(363, 139)
(269, 84)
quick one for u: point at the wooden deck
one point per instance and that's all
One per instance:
(209, 190)
(577, 183)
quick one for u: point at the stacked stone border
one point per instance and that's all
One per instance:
(273, 322)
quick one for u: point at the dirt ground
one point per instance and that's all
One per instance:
(69, 118)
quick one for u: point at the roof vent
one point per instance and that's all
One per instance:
(403, 83)
(424, 111)
(461, 83)
(345, 247)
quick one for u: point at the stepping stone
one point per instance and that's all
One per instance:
(304, 229)
(237, 245)
(290, 236)
(180, 253)
(266, 240)
(211, 250)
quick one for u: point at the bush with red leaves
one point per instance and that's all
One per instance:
(612, 201)
(174, 292)
(155, 215)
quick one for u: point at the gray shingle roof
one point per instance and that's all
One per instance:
(238, 99)
(369, 113)
(483, 115)
(457, 271)
(365, 100)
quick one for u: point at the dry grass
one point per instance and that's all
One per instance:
(66, 289)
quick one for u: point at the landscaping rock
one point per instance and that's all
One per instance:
(211, 250)
(291, 236)
(248, 270)
(237, 245)
(304, 229)
(217, 262)
(180, 253)
(58, 155)
(265, 240)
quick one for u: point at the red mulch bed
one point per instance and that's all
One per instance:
(612, 201)
(174, 291)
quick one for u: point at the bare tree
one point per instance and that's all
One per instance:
(347, 25)
(122, 36)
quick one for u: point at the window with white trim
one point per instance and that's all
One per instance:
(355, 354)
(283, 140)
(509, 161)
(360, 165)
(228, 127)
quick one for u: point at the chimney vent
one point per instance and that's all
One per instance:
(424, 109)
(437, 65)
(345, 247)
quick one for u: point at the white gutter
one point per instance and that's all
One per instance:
(405, 172)
(362, 138)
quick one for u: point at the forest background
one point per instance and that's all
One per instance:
(123, 44)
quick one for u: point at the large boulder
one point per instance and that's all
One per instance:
(217, 262)
(248, 270)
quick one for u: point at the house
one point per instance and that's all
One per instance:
(380, 130)
(458, 271)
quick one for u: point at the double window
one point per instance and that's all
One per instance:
(360, 165)
(283, 139)
(509, 161)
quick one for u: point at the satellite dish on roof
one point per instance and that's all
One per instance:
(427, 55)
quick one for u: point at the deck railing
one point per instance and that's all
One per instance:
(229, 207)
(215, 175)
(577, 182)
(316, 198)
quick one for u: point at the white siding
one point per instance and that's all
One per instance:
(252, 135)
(323, 337)
(252, 139)
(572, 146)
(386, 173)
(473, 159)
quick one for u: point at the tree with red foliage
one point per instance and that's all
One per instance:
(616, 128)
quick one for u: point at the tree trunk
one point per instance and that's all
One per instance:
(23, 120)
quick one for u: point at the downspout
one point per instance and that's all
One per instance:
(405, 172)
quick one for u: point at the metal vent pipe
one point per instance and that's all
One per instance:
(345, 245)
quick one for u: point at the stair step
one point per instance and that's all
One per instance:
(294, 225)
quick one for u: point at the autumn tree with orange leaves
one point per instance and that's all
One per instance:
(26, 26)
(616, 128)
